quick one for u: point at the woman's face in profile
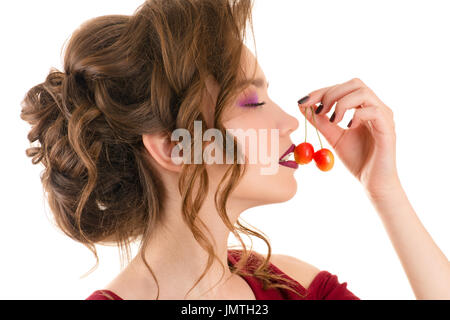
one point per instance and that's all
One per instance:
(265, 181)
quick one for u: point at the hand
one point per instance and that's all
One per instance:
(368, 148)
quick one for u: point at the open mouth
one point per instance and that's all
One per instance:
(286, 158)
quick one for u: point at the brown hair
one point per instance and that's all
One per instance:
(126, 76)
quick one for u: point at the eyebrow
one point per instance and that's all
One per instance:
(258, 82)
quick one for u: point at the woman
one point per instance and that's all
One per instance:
(105, 126)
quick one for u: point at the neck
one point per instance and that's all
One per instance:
(178, 260)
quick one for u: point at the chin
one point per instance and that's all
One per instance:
(257, 190)
(286, 190)
(278, 191)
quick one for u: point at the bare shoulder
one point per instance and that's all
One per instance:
(301, 271)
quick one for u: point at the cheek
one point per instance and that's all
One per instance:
(249, 119)
(256, 138)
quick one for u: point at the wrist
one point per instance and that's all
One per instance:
(384, 192)
(390, 200)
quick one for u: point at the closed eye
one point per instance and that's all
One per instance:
(255, 104)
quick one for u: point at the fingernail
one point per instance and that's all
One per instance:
(333, 116)
(303, 100)
(350, 123)
(319, 109)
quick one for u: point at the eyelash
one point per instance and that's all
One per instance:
(255, 104)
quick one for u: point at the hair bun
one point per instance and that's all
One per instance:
(56, 84)
(40, 108)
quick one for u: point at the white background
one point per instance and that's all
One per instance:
(400, 49)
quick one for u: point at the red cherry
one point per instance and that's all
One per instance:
(304, 153)
(324, 159)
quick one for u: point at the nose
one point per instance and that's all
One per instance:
(288, 123)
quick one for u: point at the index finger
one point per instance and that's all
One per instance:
(314, 97)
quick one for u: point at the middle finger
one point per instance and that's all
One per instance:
(355, 99)
(338, 92)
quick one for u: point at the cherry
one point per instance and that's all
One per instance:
(304, 153)
(324, 159)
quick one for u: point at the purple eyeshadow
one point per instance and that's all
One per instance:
(249, 99)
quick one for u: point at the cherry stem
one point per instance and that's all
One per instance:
(314, 119)
(306, 124)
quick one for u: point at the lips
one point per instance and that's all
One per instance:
(289, 150)
(288, 163)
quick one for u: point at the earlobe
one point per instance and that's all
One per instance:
(159, 147)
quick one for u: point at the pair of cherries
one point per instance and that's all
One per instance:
(304, 152)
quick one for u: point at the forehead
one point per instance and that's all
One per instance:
(249, 64)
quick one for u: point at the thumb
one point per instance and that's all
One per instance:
(330, 131)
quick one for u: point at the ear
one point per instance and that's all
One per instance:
(160, 149)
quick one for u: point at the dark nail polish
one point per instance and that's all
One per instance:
(303, 100)
(350, 123)
(333, 116)
(319, 109)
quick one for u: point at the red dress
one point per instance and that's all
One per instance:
(325, 286)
